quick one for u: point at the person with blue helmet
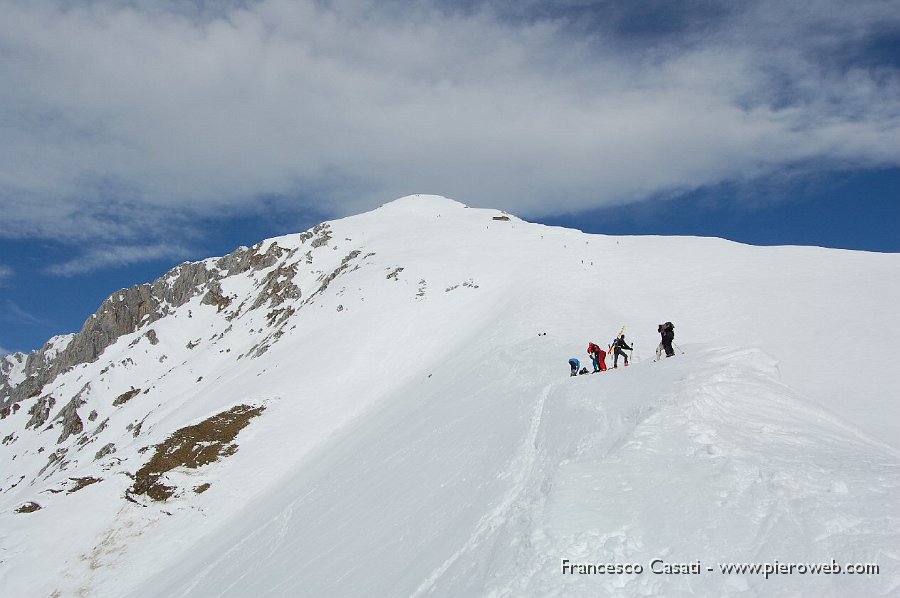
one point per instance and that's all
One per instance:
(575, 364)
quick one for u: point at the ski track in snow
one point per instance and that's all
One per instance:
(519, 471)
(762, 494)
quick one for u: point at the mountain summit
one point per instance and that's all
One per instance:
(381, 406)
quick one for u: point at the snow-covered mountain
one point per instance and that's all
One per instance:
(381, 406)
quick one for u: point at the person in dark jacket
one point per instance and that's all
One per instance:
(667, 335)
(661, 329)
(619, 347)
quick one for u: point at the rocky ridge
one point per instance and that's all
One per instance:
(265, 278)
(127, 310)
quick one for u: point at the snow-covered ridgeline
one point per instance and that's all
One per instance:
(412, 422)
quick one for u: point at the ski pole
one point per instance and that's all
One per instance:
(677, 347)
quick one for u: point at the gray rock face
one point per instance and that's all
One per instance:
(215, 297)
(69, 419)
(40, 412)
(278, 287)
(29, 382)
(151, 336)
(126, 311)
(106, 450)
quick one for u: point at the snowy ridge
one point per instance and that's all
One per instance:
(372, 408)
(753, 472)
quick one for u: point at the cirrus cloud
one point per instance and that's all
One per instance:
(101, 257)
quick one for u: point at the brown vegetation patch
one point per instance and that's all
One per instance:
(192, 447)
(126, 396)
(82, 483)
(202, 488)
(29, 507)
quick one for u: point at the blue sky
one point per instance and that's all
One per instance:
(136, 135)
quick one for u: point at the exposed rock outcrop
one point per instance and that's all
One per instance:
(69, 419)
(40, 412)
(127, 310)
(106, 450)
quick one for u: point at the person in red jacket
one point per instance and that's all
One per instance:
(598, 357)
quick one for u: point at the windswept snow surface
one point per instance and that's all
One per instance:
(422, 436)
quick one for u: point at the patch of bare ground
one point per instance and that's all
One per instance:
(82, 483)
(192, 447)
(126, 396)
(29, 507)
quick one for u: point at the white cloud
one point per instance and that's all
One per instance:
(5, 273)
(12, 312)
(168, 112)
(110, 256)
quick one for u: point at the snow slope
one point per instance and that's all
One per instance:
(421, 435)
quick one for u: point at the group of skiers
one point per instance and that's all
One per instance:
(618, 348)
